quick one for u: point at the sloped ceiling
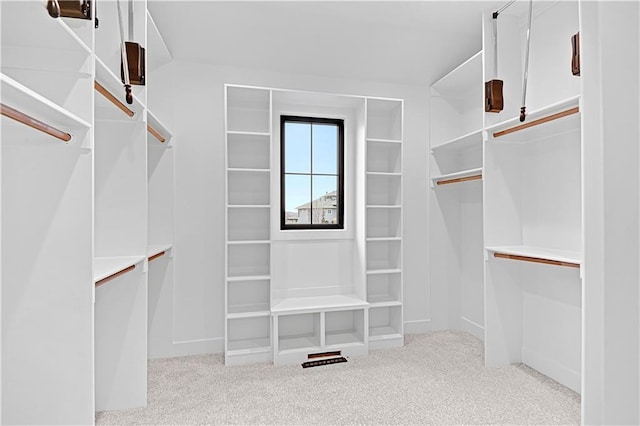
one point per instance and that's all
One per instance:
(412, 42)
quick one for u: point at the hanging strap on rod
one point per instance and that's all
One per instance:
(116, 275)
(536, 260)
(537, 122)
(27, 120)
(104, 92)
(457, 180)
(155, 256)
(155, 133)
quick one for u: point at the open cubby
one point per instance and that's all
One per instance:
(247, 335)
(344, 327)
(384, 288)
(384, 190)
(248, 187)
(298, 332)
(382, 255)
(385, 322)
(248, 110)
(452, 161)
(384, 119)
(248, 260)
(248, 224)
(384, 157)
(248, 297)
(247, 151)
(384, 223)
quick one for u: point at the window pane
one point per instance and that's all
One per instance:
(297, 197)
(325, 148)
(325, 200)
(297, 147)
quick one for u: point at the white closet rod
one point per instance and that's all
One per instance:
(104, 92)
(27, 120)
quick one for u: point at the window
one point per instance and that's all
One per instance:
(311, 173)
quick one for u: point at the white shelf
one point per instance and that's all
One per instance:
(384, 140)
(106, 266)
(462, 78)
(541, 131)
(317, 304)
(239, 132)
(565, 256)
(342, 339)
(113, 84)
(383, 271)
(462, 143)
(383, 300)
(384, 174)
(384, 206)
(21, 98)
(247, 242)
(298, 344)
(456, 175)
(248, 311)
(154, 249)
(384, 239)
(248, 278)
(383, 333)
(249, 206)
(247, 170)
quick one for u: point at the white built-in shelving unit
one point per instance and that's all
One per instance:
(86, 224)
(506, 218)
(275, 310)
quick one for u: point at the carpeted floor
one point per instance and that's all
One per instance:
(437, 378)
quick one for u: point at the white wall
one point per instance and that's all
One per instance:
(198, 323)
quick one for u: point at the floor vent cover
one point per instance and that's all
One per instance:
(325, 361)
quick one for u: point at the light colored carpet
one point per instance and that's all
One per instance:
(437, 378)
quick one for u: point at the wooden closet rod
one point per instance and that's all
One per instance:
(25, 119)
(155, 133)
(456, 180)
(537, 122)
(155, 256)
(536, 260)
(116, 275)
(104, 92)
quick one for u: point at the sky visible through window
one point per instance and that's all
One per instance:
(300, 159)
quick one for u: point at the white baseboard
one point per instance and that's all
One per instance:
(190, 347)
(417, 327)
(472, 328)
(551, 368)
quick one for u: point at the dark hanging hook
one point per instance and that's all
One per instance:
(53, 8)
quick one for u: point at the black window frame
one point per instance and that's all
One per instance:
(312, 120)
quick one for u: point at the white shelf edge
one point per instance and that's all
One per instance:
(247, 242)
(20, 90)
(247, 170)
(384, 336)
(384, 206)
(383, 271)
(567, 256)
(384, 140)
(456, 69)
(571, 101)
(304, 349)
(296, 305)
(107, 266)
(374, 239)
(248, 278)
(240, 132)
(248, 206)
(387, 304)
(384, 173)
(450, 142)
(253, 314)
(239, 352)
(154, 249)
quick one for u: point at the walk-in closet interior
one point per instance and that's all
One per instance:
(482, 178)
